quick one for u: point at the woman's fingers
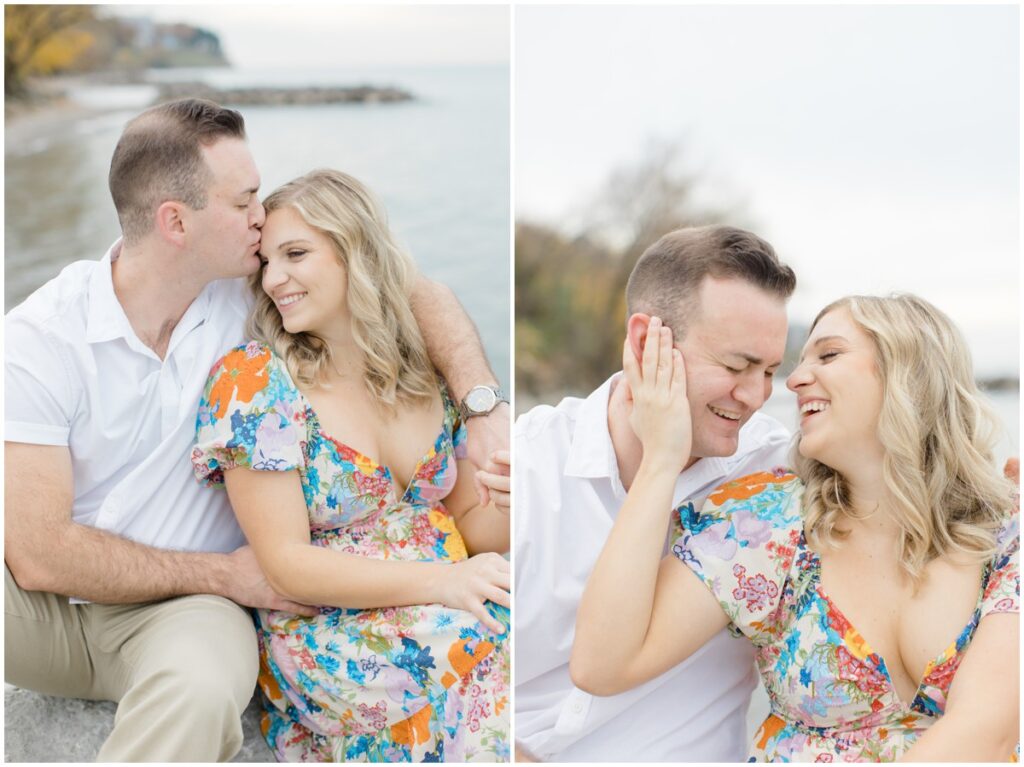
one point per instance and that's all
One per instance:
(678, 373)
(664, 379)
(500, 462)
(499, 482)
(500, 597)
(479, 610)
(652, 347)
(630, 367)
(503, 580)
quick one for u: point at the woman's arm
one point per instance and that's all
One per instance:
(272, 513)
(483, 528)
(638, 618)
(982, 719)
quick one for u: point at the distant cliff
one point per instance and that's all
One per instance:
(45, 40)
(144, 43)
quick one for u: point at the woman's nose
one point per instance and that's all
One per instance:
(799, 377)
(273, 276)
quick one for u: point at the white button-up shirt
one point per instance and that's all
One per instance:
(77, 375)
(567, 494)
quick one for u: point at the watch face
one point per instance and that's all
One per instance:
(480, 399)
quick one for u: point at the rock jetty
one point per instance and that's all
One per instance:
(360, 94)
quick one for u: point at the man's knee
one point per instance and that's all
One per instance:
(201, 648)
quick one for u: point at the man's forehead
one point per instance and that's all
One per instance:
(741, 335)
(231, 161)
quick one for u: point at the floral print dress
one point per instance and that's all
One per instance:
(421, 683)
(831, 695)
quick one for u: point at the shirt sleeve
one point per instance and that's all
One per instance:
(1002, 591)
(40, 399)
(250, 416)
(741, 545)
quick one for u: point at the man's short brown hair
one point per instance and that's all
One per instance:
(668, 275)
(159, 158)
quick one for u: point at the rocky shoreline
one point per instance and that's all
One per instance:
(51, 107)
(360, 94)
(50, 99)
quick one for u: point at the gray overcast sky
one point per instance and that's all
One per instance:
(876, 147)
(340, 35)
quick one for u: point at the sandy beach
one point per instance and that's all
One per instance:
(47, 111)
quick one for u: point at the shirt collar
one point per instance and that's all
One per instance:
(591, 454)
(107, 320)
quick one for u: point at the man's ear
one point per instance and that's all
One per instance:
(170, 222)
(636, 331)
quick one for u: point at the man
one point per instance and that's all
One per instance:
(722, 292)
(104, 369)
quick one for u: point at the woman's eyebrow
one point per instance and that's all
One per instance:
(823, 340)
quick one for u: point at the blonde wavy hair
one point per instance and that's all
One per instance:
(937, 433)
(396, 368)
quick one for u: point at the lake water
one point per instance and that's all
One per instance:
(440, 163)
(782, 406)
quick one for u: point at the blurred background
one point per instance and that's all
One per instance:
(412, 100)
(877, 148)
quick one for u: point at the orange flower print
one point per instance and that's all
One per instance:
(749, 486)
(244, 375)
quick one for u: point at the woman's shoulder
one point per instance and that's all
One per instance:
(772, 495)
(1001, 593)
(250, 373)
(742, 544)
(758, 512)
(247, 356)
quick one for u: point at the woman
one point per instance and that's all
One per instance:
(898, 527)
(338, 444)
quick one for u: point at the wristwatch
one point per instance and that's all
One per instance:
(481, 400)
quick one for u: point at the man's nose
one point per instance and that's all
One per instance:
(752, 392)
(259, 215)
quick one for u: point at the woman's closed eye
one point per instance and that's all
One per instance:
(295, 253)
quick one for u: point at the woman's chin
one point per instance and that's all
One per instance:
(809, 450)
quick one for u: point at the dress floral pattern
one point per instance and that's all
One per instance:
(421, 683)
(831, 695)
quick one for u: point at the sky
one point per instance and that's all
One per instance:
(876, 147)
(298, 35)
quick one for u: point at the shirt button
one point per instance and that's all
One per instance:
(577, 707)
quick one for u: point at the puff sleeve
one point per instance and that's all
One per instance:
(741, 545)
(251, 415)
(1002, 587)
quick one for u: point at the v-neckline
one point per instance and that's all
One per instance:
(431, 451)
(866, 650)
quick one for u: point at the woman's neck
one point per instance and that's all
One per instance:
(869, 512)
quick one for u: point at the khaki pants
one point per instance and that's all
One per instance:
(182, 670)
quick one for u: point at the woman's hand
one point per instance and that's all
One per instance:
(494, 481)
(660, 414)
(466, 585)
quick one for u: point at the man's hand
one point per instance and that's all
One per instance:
(247, 586)
(494, 482)
(487, 434)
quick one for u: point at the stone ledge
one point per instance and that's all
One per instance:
(43, 728)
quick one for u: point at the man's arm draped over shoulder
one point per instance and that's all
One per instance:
(455, 349)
